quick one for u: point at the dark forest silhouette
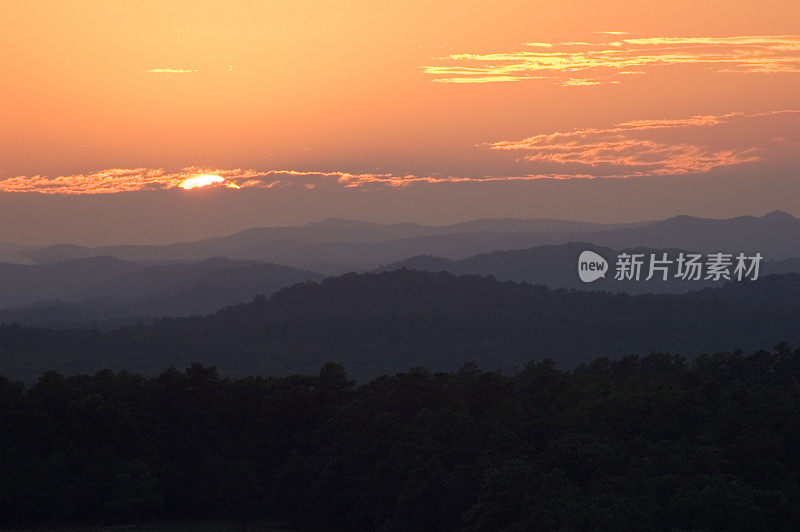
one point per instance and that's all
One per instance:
(641, 442)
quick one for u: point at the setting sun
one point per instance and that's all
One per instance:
(201, 181)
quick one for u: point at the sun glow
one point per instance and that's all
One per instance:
(200, 181)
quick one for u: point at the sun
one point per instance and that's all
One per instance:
(199, 181)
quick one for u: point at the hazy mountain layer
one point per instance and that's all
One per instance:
(336, 246)
(166, 290)
(555, 266)
(255, 243)
(22, 284)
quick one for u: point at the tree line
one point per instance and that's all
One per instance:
(640, 442)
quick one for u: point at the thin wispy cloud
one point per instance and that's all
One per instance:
(629, 149)
(120, 180)
(609, 61)
(579, 82)
(115, 180)
(484, 79)
(317, 179)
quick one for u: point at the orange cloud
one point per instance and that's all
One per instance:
(117, 180)
(626, 148)
(757, 54)
(575, 82)
(483, 79)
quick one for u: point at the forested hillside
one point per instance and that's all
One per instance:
(382, 323)
(641, 443)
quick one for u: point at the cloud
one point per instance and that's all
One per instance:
(483, 79)
(575, 82)
(633, 148)
(120, 180)
(114, 180)
(576, 60)
(172, 70)
(629, 149)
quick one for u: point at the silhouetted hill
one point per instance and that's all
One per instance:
(167, 290)
(537, 225)
(336, 246)
(12, 253)
(22, 284)
(381, 323)
(555, 266)
(776, 235)
(224, 274)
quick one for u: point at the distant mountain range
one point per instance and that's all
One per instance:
(22, 284)
(382, 323)
(329, 241)
(556, 267)
(101, 288)
(181, 279)
(335, 246)
(104, 291)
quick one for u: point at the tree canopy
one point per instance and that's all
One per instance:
(641, 442)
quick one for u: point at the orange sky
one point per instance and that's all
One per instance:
(395, 99)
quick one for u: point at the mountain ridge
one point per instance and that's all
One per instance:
(329, 248)
(392, 321)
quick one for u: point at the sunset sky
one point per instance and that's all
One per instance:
(113, 113)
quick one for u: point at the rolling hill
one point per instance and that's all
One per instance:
(555, 266)
(337, 246)
(387, 322)
(22, 284)
(263, 242)
(144, 291)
